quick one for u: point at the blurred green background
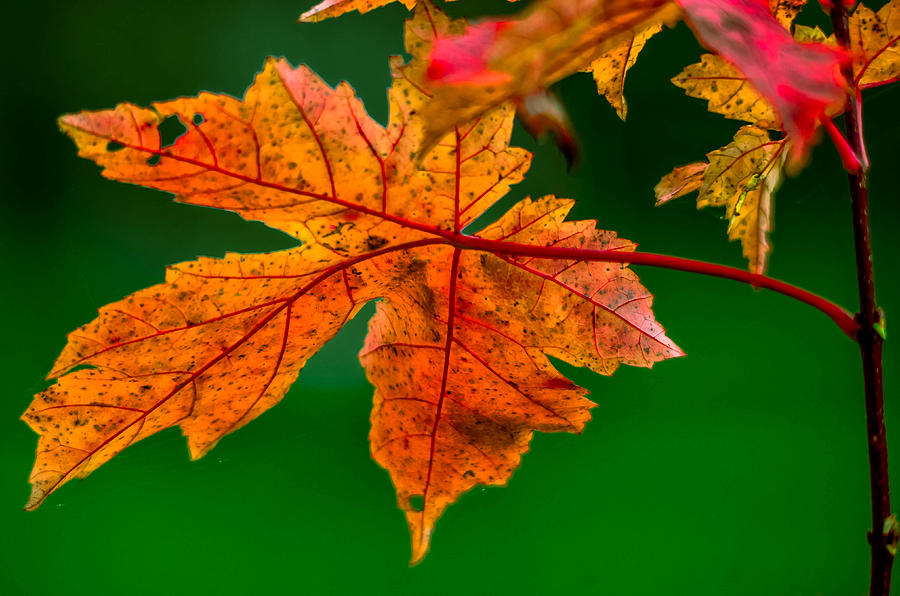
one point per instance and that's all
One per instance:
(740, 469)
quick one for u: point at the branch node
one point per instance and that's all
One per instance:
(880, 324)
(890, 532)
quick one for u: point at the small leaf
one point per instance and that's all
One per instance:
(786, 10)
(875, 42)
(679, 182)
(610, 69)
(741, 177)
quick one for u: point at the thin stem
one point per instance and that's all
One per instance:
(884, 534)
(839, 315)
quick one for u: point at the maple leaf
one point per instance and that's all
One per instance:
(730, 93)
(875, 50)
(499, 61)
(610, 69)
(802, 81)
(741, 177)
(727, 91)
(458, 350)
(786, 10)
(875, 44)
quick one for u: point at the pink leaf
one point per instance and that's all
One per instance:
(464, 58)
(803, 81)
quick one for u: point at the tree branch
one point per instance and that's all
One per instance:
(839, 315)
(884, 534)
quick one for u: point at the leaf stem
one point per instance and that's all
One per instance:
(836, 313)
(884, 535)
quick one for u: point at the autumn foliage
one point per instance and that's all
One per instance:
(742, 177)
(458, 350)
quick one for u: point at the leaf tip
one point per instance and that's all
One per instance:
(679, 182)
(421, 526)
(420, 543)
(313, 14)
(37, 496)
(199, 446)
(65, 122)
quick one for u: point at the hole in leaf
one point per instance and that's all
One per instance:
(114, 146)
(153, 160)
(417, 502)
(198, 119)
(170, 130)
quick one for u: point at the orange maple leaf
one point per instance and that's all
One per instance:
(458, 349)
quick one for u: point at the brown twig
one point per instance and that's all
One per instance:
(884, 534)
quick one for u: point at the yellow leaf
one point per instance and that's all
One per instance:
(726, 91)
(610, 69)
(786, 10)
(741, 177)
(679, 182)
(875, 42)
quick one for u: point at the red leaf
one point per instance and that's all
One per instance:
(464, 58)
(802, 81)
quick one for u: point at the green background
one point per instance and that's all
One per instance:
(740, 469)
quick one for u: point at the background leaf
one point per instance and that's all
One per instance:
(875, 39)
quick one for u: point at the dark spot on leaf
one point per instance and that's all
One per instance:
(375, 242)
